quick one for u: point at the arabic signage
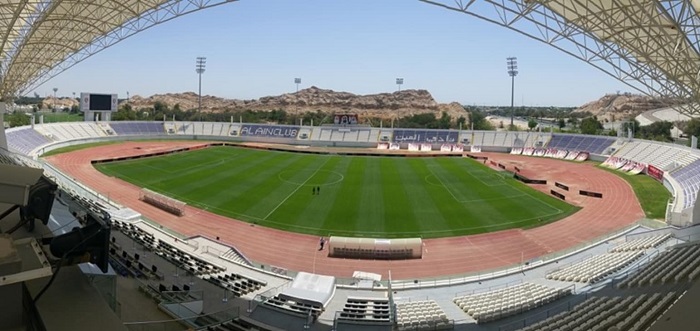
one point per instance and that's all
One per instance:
(655, 172)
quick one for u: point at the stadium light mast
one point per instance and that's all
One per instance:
(201, 67)
(399, 82)
(55, 89)
(297, 81)
(512, 72)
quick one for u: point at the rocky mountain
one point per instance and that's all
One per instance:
(623, 106)
(382, 105)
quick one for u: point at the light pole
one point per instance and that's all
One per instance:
(512, 72)
(201, 67)
(399, 82)
(55, 89)
(297, 81)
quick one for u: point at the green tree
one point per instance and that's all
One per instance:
(561, 123)
(17, 118)
(478, 121)
(692, 127)
(461, 121)
(633, 124)
(573, 121)
(590, 125)
(531, 124)
(445, 120)
(125, 113)
(659, 131)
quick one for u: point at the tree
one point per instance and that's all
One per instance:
(561, 123)
(660, 131)
(444, 122)
(478, 121)
(461, 121)
(531, 124)
(590, 125)
(573, 121)
(692, 128)
(633, 124)
(17, 118)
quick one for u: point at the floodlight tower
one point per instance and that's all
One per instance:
(297, 81)
(201, 67)
(512, 72)
(399, 82)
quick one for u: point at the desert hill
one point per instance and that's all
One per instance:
(623, 106)
(382, 105)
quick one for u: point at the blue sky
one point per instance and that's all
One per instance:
(256, 48)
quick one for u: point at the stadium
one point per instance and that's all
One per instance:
(217, 225)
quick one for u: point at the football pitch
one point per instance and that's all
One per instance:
(384, 197)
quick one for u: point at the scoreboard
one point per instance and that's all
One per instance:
(98, 102)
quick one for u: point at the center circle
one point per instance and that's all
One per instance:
(306, 177)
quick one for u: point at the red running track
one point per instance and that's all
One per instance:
(445, 256)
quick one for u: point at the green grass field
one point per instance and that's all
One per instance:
(360, 196)
(652, 195)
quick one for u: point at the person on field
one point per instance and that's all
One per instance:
(321, 242)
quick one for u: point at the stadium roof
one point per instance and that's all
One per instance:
(43, 38)
(652, 45)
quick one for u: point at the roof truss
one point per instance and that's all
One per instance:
(43, 38)
(651, 45)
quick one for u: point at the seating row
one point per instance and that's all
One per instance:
(189, 262)
(678, 264)
(595, 268)
(240, 285)
(294, 307)
(642, 243)
(494, 305)
(366, 310)
(421, 315)
(604, 313)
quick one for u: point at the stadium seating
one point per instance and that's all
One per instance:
(421, 315)
(641, 243)
(681, 263)
(186, 261)
(366, 311)
(494, 305)
(238, 284)
(603, 313)
(24, 140)
(293, 307)
(591, 144)
(137, 128)
(70, 130)
(595, 268)
(689, 179)
(668, 158)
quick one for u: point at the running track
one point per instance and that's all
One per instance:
(446, 256)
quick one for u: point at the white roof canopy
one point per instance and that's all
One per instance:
(42, 38)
